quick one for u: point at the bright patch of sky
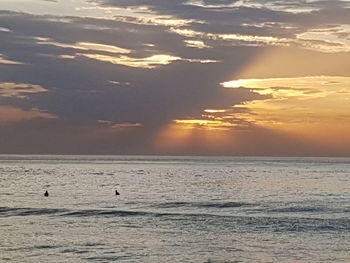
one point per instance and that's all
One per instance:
(81, 8)
(88, 8)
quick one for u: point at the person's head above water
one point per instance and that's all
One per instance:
(46, 193)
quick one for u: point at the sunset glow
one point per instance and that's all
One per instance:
(320, 105)
(207, 124)
(191, 77)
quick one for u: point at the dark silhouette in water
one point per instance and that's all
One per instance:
(116, 192)
(46, 193)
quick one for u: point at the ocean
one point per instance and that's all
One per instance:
(174, 209)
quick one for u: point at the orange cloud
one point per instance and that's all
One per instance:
(11, 114)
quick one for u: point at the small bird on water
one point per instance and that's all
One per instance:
(116, 192)
(46, 193)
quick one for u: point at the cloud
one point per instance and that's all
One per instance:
(8, 61)
(4, 29)
(330, 39)
(149, 62)
(239, 21)
(51, 56)
(85, 46)
(9, 115)
(19, 90)
(114, 125)
(196, 44)
(301, 87)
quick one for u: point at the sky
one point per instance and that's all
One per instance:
(175, 77)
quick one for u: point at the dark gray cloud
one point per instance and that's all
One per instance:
(229, 19)
(80, 89)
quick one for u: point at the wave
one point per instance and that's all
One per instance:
(119, 213)
(202, 205)
(318, 210)
(299, 209)
(7, 212)
(156, 209)
(227, 221)
(253, 208)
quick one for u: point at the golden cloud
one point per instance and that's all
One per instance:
(8, 61)
(316, 106)
(19, 90)
(147, 63)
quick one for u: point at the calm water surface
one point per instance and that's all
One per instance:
(174, 209)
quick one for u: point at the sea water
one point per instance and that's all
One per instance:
(174, 209)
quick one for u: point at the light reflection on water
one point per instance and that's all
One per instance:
(174, 209)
